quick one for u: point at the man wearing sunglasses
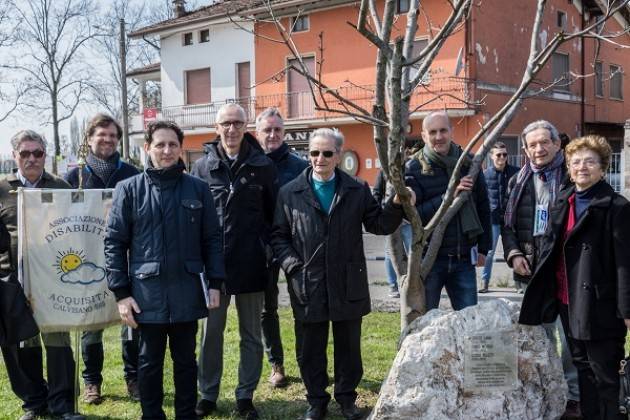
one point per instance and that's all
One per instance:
(318, 241)
(497, 176)
(244, 185)
(24, 363)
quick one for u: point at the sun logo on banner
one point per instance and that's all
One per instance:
(74, 268)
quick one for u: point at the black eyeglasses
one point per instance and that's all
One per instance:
(326, 153)
(501, 155)
(236, 124)
(24, 154)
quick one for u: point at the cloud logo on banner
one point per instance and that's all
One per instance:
(85, 273)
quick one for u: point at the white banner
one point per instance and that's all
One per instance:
(61, 258)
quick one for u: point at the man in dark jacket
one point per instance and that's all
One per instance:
(24, 363)
(163, 242)
(317, 238)
(531, 193)
(497, 176)
(428, 174)
(270, 135)
(104, 169)
(243, 182)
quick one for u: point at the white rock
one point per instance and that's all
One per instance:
(426, 379)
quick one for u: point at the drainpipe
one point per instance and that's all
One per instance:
(583, 72)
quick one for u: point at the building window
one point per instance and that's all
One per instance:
(204, 35)
(300, 23)
(561, 20)
(418, 46)
(188, 38)
(560, 71)
(616, 85)
(198, 86)
(599, 79)
(402, 6)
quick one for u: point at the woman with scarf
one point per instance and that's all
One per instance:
(584, 275)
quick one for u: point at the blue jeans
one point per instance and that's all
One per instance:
(458, 276)
(487, 268)
(405, 232)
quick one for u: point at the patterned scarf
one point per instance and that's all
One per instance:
(103, 168)
(552, 172)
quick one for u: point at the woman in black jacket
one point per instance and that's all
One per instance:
(584, 275)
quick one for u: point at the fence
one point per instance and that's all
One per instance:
(613, 175)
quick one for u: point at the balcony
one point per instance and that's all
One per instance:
(440, 93)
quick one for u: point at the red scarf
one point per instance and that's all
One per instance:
(561, 274)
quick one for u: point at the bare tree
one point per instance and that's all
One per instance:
(11, 90)
(50, 42)
(395, 85)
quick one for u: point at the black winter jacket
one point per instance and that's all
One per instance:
(162, 232)
(321, 253)
(519, 239)
(497, 183)
(245, 209)
(91, 181)
(597, 259)
(288, 164)
(429, 189)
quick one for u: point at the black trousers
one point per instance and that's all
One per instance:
(26, 375)
(270, 322)
(93, 355)
(348, 363)
(182, 343)
(597, 363)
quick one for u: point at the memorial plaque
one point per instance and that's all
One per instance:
(490, 361)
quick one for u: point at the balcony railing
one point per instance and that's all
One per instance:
(440, 93)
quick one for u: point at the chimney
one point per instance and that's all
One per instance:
(179, 8)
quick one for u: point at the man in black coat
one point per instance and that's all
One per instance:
(104, 169)
(162, 253)
(270, 135)
(244, 185)
(428, 174)
(24, 363)
(317, 239)
(531, 194)
(497, 176)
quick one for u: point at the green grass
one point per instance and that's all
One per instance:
(379, 339)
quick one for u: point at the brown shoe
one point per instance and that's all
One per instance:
(277, 378)
(573, 411)
(132, 390)
(92, 394)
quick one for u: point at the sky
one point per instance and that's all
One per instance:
(20, 120)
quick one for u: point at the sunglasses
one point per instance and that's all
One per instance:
(24, 154)
(326, 153)
(501, 155)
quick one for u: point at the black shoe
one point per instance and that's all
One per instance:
(246, 410)
(72, 416)
(484, 290)
(33, 414)
(351, 412)
(205, 408)
(315, 412)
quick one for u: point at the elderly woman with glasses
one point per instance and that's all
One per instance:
(584, 275)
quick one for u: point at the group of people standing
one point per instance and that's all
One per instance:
(179, 245)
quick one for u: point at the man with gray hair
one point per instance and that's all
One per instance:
(24, 363)
(530, 194)
(243, 182)
(270, 135)
(317, 239)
